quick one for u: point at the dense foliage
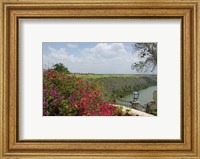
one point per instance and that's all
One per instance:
(65, 94)
(59, 67)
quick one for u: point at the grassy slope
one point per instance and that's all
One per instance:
(96, 76)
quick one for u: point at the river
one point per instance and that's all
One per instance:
(145, 96)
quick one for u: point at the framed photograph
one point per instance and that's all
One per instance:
(99, 79)
(109, 79)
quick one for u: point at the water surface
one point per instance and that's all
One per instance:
(145, 96)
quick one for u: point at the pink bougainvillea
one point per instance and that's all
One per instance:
(66, 94)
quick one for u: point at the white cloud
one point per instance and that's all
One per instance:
(103, 58)
(106, 50)
(72, 45)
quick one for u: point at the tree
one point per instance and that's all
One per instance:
(60, 68)
(148, 55)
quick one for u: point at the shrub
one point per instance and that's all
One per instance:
(66, 94)
(60, 68)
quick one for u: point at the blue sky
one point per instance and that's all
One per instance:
(91, 57)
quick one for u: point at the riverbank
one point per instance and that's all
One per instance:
(147, 100)
(145, 96)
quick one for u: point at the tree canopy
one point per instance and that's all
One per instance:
(60, 68)
(147, 53)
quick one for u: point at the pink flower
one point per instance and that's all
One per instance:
(45, 104)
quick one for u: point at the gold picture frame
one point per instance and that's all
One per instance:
(14, 10)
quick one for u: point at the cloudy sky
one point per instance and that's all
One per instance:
(90, 57)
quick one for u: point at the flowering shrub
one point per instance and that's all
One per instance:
(65, 94)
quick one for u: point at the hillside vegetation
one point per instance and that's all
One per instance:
(118, 86)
